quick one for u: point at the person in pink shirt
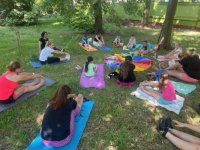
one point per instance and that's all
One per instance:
(166, 93)
(10, 89)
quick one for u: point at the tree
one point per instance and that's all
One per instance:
(146, 11)
(98, 25)
(166, 31)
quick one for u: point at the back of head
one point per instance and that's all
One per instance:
(60, 97)
(13, 66)
(49, 44)
(163, 78)
(128, 58)
(89, 59)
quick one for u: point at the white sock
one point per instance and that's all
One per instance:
(67, 57)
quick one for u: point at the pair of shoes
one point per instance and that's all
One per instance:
(163, 125)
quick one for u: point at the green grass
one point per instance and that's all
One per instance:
(117, 121)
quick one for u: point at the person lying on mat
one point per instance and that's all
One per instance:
(46, 55)
(117, 42)
(166, 93)
(90, 67)
(98, 40)
(173, 54)
(59, 118)
(125, 75)
(10, 89)
(44, 40)
(187, 69)
(181, 140)
(131, 43)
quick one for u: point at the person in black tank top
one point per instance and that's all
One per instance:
(98, 41)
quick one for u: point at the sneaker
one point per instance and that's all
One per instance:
(162, 126)
(107, 77)
(169, 123)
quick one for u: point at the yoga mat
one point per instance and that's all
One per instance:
(137, 46)
(141, 63)
(92, 49)
(37, 64)
(80, 124)
(105, 48)
(93, 82)
(183, 88)
(48, 82)
(175, 107)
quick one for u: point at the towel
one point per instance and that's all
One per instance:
(174, 107)
(92, 49)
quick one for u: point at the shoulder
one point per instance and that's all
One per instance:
(40, 39)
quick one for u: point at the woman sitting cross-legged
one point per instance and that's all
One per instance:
(58, 122)
(187, 69)
(90, 67)
(166, 93)
(10, 89)
(125, 75)
(46, 55)
(98, 40)
(181, 140)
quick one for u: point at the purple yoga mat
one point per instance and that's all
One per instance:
(93, 82)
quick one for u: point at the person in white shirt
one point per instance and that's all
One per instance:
(117, 42)
(46, 55)
(131, 43)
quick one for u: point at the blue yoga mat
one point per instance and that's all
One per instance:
(48, 82)
(37, 64)
(105, 48)
(80, 124)
(137, 46)
(183, 88)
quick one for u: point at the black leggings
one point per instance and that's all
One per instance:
(8, 101)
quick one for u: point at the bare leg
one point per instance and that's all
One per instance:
(181, 144)
(176, 74)
(79, 100)
(186, 137)
(28, 88)
(151, 92)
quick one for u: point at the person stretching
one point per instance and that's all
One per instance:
(46, 55)
(180, 139)
(98, 41)
(58, 121)
(166, 95)
(10, 89)
(90, 67)
(125, 75)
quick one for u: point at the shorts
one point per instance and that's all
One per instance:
(187, 78)
(8, 101)
(164, 102)
(51, 60)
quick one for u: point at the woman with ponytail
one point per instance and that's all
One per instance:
(166, 93)
(90, 67)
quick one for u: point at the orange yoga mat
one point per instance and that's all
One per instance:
(91, 49)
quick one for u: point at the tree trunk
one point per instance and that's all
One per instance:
(98, 25)
(146, 12)
(166, 32)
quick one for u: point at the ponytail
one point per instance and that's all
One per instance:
(89, 59)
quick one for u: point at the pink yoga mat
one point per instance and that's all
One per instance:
(93, 82)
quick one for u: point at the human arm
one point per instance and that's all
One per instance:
(150, 83)
(27, 76)
(175, 66)
(79, 100)
(59, 52)
(102, 40)
(189, 126)
(39, 45)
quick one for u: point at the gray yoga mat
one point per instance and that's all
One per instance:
(48, 82)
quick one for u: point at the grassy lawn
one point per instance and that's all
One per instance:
(118, 120)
